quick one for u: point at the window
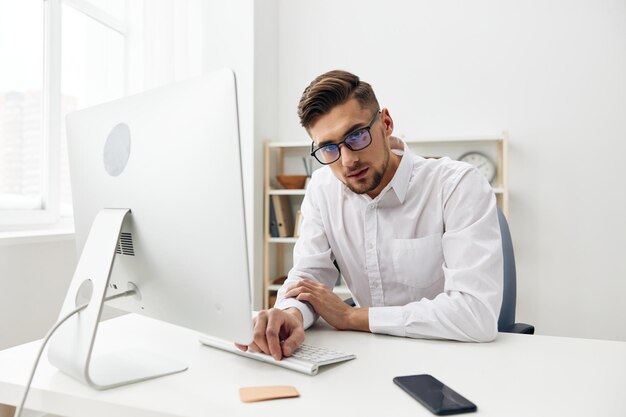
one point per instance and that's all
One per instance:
(63, 56)
(22, 178)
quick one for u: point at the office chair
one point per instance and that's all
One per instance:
(506, 321)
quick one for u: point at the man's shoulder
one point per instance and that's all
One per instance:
(443, 169)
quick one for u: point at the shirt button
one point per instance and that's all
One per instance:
(370, 245)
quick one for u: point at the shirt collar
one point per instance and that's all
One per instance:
(400, 181)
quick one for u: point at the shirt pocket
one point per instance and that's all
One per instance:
(418, 262)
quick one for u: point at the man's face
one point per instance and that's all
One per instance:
(361, 171)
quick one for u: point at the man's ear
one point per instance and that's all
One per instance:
(387, 121)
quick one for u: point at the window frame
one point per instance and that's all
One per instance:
(49, 215)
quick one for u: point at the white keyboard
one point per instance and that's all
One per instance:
(306, 359)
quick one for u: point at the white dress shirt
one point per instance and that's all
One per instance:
(425, 255)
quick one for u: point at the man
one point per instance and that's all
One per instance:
(417, 240)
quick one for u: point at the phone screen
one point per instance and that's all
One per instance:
(434, 395)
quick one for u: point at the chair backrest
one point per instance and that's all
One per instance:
(507, 311)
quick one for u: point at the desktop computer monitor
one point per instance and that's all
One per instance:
(159, 208)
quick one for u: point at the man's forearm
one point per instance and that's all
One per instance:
(358, 319)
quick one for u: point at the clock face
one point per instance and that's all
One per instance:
(482, 162)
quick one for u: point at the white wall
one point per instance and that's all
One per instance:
(265, 117)
(34, 279)
(34, 276)
(553, 73)
(243, 35)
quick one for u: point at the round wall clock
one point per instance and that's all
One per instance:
(481, 161)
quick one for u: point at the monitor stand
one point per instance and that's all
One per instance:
(71, 347)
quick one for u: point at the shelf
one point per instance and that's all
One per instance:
(282, 240)
(289, 144)
(287, 192)
(449, 139)
(340, 290)
(453, 139)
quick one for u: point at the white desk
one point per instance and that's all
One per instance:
(517, 375)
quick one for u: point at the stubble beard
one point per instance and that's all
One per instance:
(363, 186)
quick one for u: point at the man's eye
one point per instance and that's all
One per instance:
(355, 136)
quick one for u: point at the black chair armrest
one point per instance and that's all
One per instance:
(350, 302)
(521, 328)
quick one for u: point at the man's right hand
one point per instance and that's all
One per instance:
(277, 332)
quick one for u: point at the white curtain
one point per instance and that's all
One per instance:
(164, 42)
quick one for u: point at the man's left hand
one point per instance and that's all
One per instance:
(328, 305)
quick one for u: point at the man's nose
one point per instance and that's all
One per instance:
(348, 157)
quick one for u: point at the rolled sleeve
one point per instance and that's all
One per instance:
(387, 320)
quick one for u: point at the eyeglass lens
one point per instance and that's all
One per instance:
(356, 141)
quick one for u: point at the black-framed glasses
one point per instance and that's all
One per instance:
(355, 141)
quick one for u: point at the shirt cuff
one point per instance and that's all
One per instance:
(308, 317)
(387, 320)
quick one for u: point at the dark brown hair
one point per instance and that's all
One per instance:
(332, 89)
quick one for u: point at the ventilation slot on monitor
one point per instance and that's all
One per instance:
(125, 245)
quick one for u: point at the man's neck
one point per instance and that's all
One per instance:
(392, 167)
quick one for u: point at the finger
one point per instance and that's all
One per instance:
(259, 332)
(306, 283)
(302, 282)
(272, 333)
(294, 340)
(253, 347)
(314, 301)
(308, 286)
(241, 347)
(295, 291)
(308, 297)
(317, 301)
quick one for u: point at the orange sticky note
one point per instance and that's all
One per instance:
(252, 394)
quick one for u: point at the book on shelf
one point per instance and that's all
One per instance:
(284, 218)
(273, 222)
(296, 227)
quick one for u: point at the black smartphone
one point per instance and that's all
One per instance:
(434, 395)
